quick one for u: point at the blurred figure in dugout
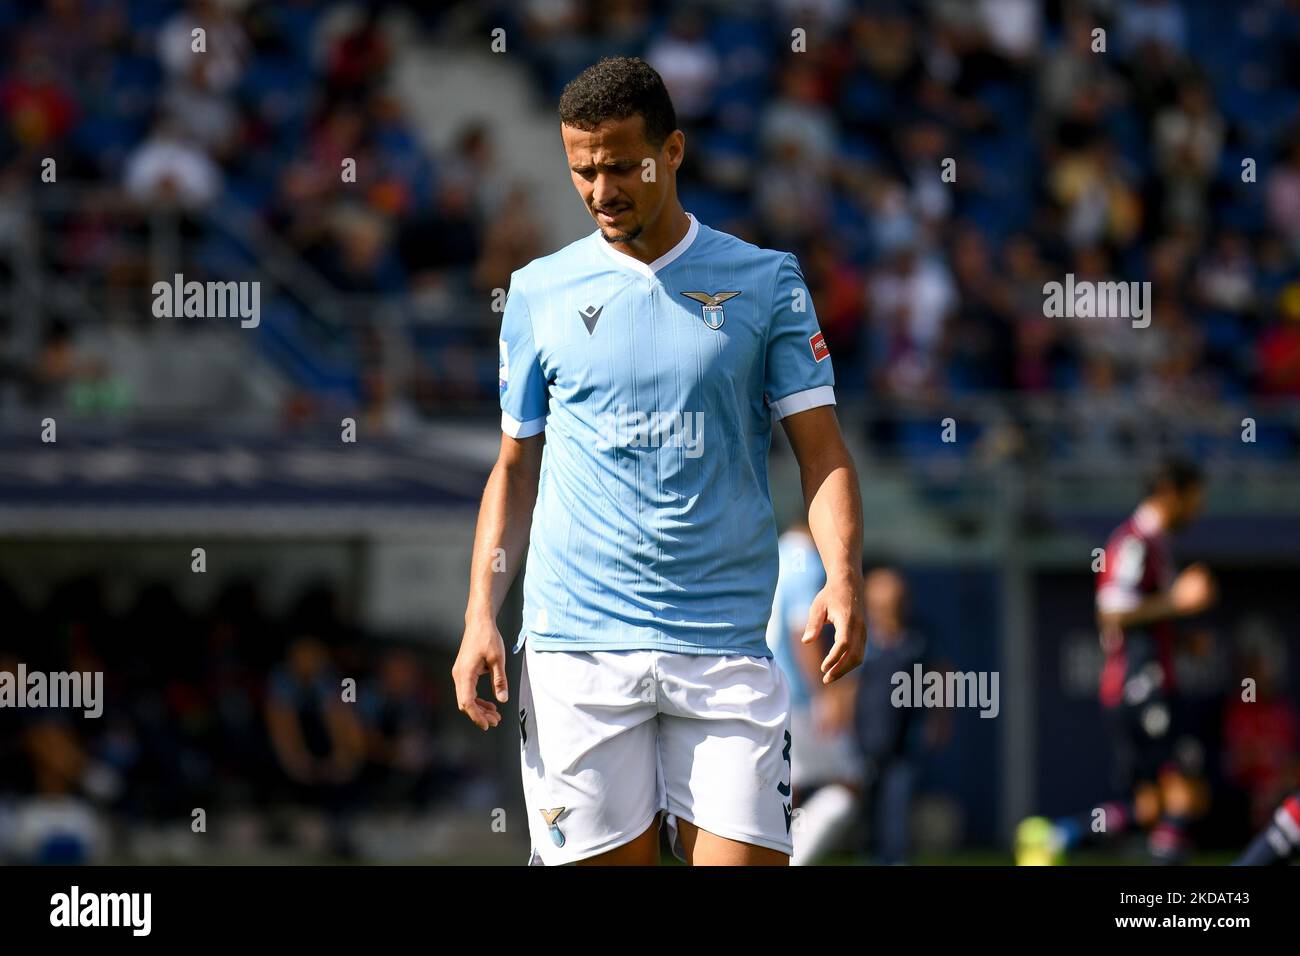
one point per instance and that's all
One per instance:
(887, 735)
(824, 769)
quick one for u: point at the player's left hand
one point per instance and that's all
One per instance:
(841, 605)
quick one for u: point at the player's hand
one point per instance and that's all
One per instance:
(841, 605)
(481, 652)
(1194, 590)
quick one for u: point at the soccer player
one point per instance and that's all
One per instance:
(824, 768)
(641, 369)
(1138, 601)
(1279, 842)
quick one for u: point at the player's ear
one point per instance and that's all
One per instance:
(675, 148)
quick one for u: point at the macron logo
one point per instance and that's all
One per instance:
(590, 316)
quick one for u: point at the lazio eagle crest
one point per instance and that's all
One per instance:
(712, 306)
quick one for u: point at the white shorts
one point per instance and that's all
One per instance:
(608, 739)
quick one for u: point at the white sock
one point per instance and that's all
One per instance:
(823, 821)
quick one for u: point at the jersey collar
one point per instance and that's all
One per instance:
(624, 261)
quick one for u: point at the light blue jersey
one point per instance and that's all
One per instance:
(656, 386)
(800, 578)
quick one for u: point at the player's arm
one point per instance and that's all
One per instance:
(500, 542)
(287, 742)
(1192, 592)
(347, 740)
(506, 514)
(830, 490)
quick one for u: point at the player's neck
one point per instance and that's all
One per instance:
(668, 230)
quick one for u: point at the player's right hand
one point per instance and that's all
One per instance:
(482, 651)
(1194, 590)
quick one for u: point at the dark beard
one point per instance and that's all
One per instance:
(623, 237)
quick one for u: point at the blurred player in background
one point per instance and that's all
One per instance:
(1279, 842)
(1157, 771)
(824, 768)
(884, 733)
(648, 360)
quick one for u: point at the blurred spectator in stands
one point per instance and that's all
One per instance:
(1283, 194)
(689, 65)
(1073, 67)
(472, 167)
(359, 257)
(1014, 28)
(168, 169)
(623, 25)
(317, 739)
(922, 149)
(1144, 26)
(37, 104)
(60, 365)
(1095, 189)
(557, 39)
(513, 239)
(1278, 349)
(981, 337)
(224, 50)
(912, 299)
(794, 203)
(360, 57)
(397, 710)
(440, 245)
(1188, 139)
(1225, 279)
(203, 115)
(797, 124)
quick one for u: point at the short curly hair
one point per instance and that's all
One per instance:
(614, 89)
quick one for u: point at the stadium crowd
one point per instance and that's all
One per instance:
(231, 709)
(1118, 155)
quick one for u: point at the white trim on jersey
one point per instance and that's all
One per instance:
(802, 401)
(636, 265)
(1116, 598)
(517, 429)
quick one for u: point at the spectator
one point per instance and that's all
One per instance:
(169, 170)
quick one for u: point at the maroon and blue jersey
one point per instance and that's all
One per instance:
(1139, 660)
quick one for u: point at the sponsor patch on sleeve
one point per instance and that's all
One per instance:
(818, 345)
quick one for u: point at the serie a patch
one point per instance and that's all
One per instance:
(818, 345)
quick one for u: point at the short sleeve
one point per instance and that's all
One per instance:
(1119, 589)
(798, 372)
(520, 380)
